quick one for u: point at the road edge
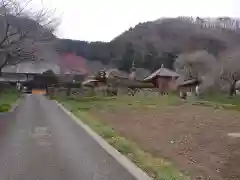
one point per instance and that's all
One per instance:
(135, 171)
(15, 105)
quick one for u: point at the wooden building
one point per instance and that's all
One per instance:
(117, 80)
(164, 79)
(188, 85)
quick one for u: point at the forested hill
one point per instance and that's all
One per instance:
(151, 44)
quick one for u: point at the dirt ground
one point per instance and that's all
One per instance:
(194, 138)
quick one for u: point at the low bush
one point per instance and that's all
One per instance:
(8, 96)
(5, 107)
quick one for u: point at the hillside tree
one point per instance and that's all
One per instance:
(22, 31)
(195, 65)
(128, 58)
(230, 69)
(151, 57)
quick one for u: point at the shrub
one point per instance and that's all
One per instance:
(4, 107)
(50, 77)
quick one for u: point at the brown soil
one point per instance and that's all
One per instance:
(194, 138)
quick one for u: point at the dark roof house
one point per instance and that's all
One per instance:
(190, 82)
(115, 73)
(90, 82)
(37, 67)
(141, 73)
(162, 72)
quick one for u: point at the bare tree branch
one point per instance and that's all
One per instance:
(22, 30)
(4, 62)
(195, 65)
(7, 25)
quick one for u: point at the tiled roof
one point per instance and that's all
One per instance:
(32, 67)
(142, 73)
(163, 72)
(188, 82)
(117, 73)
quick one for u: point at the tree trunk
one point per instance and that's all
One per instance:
(4, 64)
(69, 89)
(232, 90)
(46, 88)
(1, 88)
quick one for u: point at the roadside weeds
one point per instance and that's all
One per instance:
(157, 168)
(9, 100)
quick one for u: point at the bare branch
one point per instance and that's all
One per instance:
(7, 25)
(22, 30)
(6, 35)
(4, 63)
(23, 8)
(196, 64)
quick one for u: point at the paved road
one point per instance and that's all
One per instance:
(38, 141)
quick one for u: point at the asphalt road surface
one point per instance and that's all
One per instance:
(38, 141)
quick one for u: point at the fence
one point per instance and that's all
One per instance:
(108, 91)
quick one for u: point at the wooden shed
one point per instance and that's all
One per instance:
(188, 85)
(164, 79)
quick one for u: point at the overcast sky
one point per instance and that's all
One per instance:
(102, 20)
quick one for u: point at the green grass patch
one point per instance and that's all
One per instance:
(157, 168)
(219, 101)
(223, 99)
(122, 102)
(7, 98)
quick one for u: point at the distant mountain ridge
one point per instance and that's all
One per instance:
(151, 44)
